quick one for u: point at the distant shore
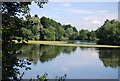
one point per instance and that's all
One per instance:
(64, 43)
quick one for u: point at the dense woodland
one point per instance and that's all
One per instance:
(35, 28)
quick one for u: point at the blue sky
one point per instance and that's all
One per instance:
(82, 15)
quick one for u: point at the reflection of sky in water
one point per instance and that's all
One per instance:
(80, 64)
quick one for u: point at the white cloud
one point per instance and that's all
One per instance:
(66, 5)
(86, 11)
(90, 22)
(80, 11)
(96, 22)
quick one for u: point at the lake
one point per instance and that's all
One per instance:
(75, 62)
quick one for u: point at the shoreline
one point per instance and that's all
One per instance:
(65, 43)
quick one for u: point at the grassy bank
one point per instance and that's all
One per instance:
(65, 43)
(42, 42)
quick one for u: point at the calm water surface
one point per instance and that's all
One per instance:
(75, 62)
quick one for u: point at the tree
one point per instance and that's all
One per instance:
(74, 36)
(11, 24)
(49, 34)
(83, 34)
(109, 33)
(34, 25)
(10, 11)
(61, 33)
(71, 32)
(92, 36)
(26, 34)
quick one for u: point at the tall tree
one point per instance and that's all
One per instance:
(83, 34)
(109, 33)
(11, 24)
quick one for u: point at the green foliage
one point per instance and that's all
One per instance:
(33, 28)
(43, 77)
(60, 33)
(92, 36)
(14, 8)
(109, 33)
(27, 34)
(13, 27)
(49, 34)
(44, 28)
(53, 30)
(11, 24)
(83, 34)
(74, 36)
(71, 32)
(34, 25)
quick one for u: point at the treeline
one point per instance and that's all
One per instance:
(35, 28)
(52, 30)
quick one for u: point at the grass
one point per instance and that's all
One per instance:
(65, 43)
(42, 42)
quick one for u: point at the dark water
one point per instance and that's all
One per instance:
(75, 62)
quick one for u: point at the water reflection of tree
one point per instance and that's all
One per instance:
(84, 48)
(110, 57)
(44, 53)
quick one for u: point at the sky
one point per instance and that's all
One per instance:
(82, 15)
